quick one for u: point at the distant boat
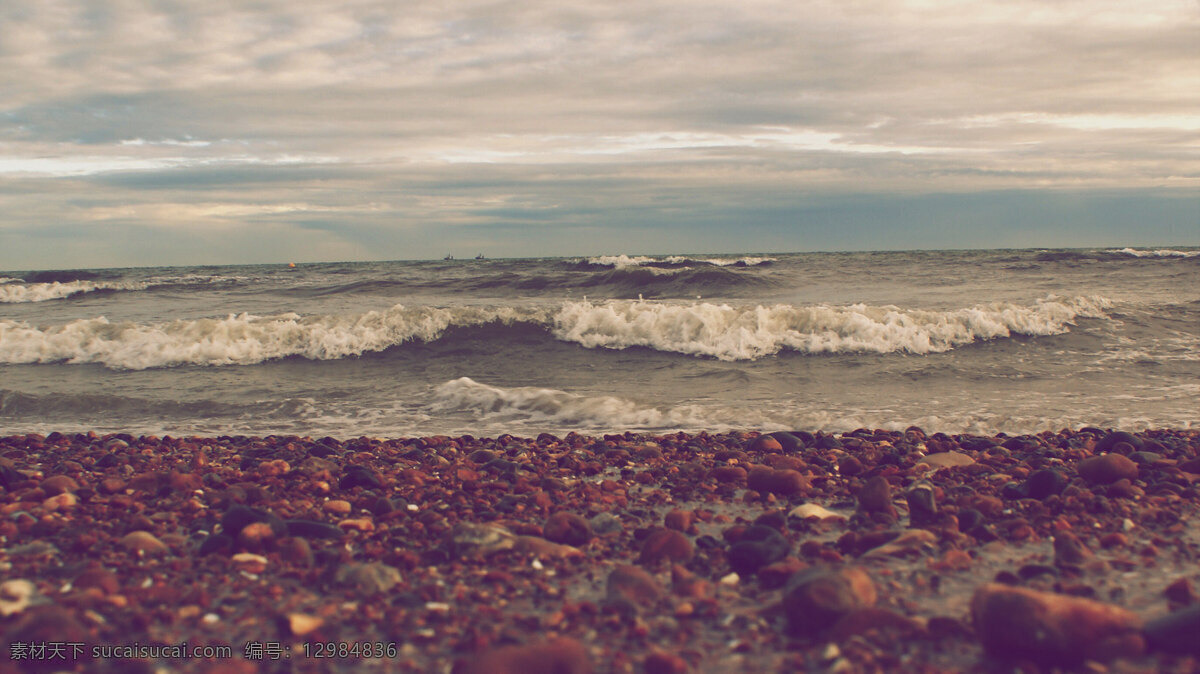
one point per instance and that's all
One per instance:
(480, 257)
(448, 257)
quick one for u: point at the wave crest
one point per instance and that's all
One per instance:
(747, 333)
(12, 293)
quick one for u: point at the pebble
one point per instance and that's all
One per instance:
(368, 578)
(816, 598)
(1107, 469)
(659, 662)
(629, 587)
(568, 528)
(337, 506)
(59, 484)
(143, 542)
(875, 495)
(922, 504)
(1052, 629)
(559, 656)
(808, 510)
(313, 529)
(467, 539)
(758, 546)
(947, 460)
(666, 545)
(1044, 483)
(1177, 632)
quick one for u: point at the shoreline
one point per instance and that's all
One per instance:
(612, 553)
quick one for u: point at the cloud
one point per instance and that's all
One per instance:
(467, 113)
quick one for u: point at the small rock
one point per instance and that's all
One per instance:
(560, 656)
(144, 543)
(59, 484)
(631, 587)
(249, 562)
(679, 520)
(100, 579)
(758, 547)
(659, 662)
(922, 504)
(337, 506)
(766, 444)
(818, 597)
(479, 540)
(1052, 629)
(359, 476)
(544, 549)
(1112, 439)
(362, 524)
(605, 524)
(875, 495)
(302, 624)
(808, 510)
(1176, 632)
(15, 596)
(568, 528)
(1044, 483)
(370, 579)
(313, 529)
(946, 460)
(1107, 468)
(666, 544)
(63, 501)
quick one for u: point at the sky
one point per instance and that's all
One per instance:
(177, 132)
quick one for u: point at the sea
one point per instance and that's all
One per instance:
(979, 341)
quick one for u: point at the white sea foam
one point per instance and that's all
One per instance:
(1165, 252)
(11, 292)
(240, 339)
(623, 261)
(746, 333)
(700, 329)
(553, 407)
(620, 261)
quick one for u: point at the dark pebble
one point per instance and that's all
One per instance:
(313, 529)
(1045, 483)
(1177, 632)
(759, 546)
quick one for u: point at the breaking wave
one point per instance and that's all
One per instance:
(553, 407)
(12, 292)
(721, 331)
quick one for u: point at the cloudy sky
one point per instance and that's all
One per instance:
(150, 132)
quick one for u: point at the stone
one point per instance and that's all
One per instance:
(1112, 439)
(766, 444)
(15, 596)
(808, 510)
(1176, 632)
(785, 482)
(143, 543)
(630, 587)
(1044, 483)
(359, 476)
(666, 545)
(729, 474)
(758, 546)
(568, 528)
(544, 549)
(1052, 629)
(101, 579)
(922, 504)
(946, 460)
(312, 529)
(911, 540)
(369, 578)
(479, 540)
(563, 655)
(679, 520)
(302, 624)
(875, 495)
(59, 484)
(816, 598)
(1107, 468)
(789, 442)
(660, 662)
(337, 506)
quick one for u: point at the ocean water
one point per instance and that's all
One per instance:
(1014, 341)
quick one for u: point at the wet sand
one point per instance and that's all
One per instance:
(869, 551)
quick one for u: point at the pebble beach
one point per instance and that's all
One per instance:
(861, 551)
